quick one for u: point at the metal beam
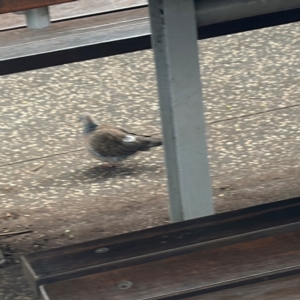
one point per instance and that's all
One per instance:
(174, 39)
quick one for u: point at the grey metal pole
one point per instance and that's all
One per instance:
(174, 39)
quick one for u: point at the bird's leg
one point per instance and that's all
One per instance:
(109, 165)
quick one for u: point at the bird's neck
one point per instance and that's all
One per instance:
(89, 127)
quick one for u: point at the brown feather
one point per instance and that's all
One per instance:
(108, 141)
(114, 144)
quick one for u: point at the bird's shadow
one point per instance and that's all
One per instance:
(99, 173)
(119, 171)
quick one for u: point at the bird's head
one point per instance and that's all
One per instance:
(86, 119)
(88, 122)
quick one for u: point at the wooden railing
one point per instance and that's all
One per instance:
(7, 6)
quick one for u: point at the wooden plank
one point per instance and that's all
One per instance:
(16, 39)
(287, 288)
(73, 10)
(7, 6)
(191, 274)
(75, 40)
(162, 242)
(120, 39)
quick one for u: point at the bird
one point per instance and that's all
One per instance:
(111, 144)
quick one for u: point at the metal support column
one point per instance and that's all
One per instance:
(38, 18)
(174, 39)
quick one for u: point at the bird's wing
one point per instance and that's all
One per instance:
(132, 133)
(110, 141)
(141, 135)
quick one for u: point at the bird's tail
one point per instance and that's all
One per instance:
(155, 141)
(149, 141)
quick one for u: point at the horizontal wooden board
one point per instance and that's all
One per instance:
(75, 40)
(7, 6)
(287, 288)
(52, 50)
(77, 9)
(162, 242)
(199, 273)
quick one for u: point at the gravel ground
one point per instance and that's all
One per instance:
(49, 185)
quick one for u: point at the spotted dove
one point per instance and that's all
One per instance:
(111, 144)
